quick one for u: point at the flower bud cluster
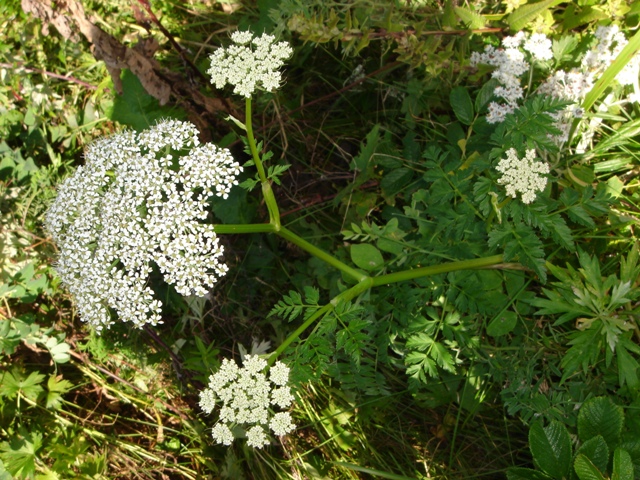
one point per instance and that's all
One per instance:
(524, 176)
(249, 63)
(139, 200)
(247, 399)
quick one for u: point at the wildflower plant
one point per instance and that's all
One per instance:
(481, 204)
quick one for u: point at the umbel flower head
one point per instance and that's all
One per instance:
(247, 400)
(522, 176)
(139, 200)
(249, 63)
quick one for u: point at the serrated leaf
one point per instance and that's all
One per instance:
(521, 16)
(367, 149)
(470, 18)
(462, 105)
(13, 383)
(622, 465)
(20, 455)
(56, 387)
(586, 470)
(627, 365)
(596, 450)
(600, 416)
(366, 256)
(551, 448)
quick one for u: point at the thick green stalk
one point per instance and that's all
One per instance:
(365, 283)
(321, 254)
(245, 228)
(267, 192)
(435, 269)
(252, 142)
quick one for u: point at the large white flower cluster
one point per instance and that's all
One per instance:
(247, 399)
(250, 63)
(139, 200)
(524, 176)
(511, 63)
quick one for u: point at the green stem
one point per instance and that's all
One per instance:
(365, 283)
(436, 269)
(283, 346)
(252, 142)
(267, 192)
(321, 254)
(245, 228)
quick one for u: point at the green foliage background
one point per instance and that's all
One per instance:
(390, 169)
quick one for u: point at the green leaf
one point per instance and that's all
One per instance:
(470, 18)
(586, 470)
(517, 473)
(366, 256)
(596, 450)
(600, 416)
(136, 108)
(521, 16)
(13, 383)
(502, 324)
(627, 364)
(622, 465)
(551, 448)
(20, 454)
(367, 149)
(609, 75)
(462, 105)
(56, 387)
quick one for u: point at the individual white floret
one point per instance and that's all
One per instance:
(249, 63)
(134, 203)
(524, 176)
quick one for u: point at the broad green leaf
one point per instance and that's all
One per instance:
(19, 455)
(13, 383)
(56, 387)
(521, 16)
(551, 448)
(502, 324)
(600, 416)
(622, 465)
(596, 450)
(462, 105)
(366, 256)
(586, 470)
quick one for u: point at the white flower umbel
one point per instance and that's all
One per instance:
(249, 63)
(524, 176)
(140, 199)
(247, 400)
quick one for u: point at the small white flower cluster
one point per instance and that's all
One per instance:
(247, 397)
(250, 63)
(522, 176)
(137, 200)
(510, 63)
